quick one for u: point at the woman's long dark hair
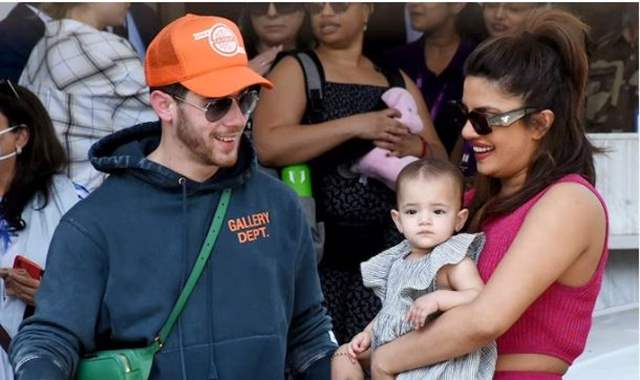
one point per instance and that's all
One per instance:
(40, 160)
(545, 62)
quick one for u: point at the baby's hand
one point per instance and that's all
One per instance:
(359, 344)
(421, 309)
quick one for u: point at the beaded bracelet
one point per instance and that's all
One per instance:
(425, 147)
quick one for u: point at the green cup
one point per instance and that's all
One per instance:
(298, 177)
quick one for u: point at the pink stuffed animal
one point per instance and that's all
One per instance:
(377, 164)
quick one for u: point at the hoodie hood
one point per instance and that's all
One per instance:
(126, 151)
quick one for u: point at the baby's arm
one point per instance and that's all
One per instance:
(465, 282)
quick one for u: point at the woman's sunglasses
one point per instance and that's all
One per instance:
(217, 108)
(261, 9)
(483, 124)
(316, 8)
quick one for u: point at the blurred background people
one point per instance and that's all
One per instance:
(19, 32)
(500, 18)
(270, 28)
(435, 62)
(34, 196)
(90, 81)
(348, 122)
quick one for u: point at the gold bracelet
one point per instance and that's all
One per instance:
(338, 354)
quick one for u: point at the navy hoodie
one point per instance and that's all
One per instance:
(119, 259)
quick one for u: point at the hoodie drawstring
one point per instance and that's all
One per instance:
(185, 230)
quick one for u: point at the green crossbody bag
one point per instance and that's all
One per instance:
(135, 363)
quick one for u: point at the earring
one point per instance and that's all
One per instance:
(18, 149)
(364, 28)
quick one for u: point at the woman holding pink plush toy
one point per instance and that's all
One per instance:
(350, 122)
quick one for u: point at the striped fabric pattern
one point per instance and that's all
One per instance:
(92, 83)
(399, 282)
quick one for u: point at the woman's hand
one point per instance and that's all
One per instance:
(19, 284)
(379, 126)
(262, 62)
(407, 145)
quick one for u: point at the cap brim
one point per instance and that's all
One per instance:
(225, 82)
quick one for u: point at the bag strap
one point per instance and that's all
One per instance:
(197, 270)
(314, 82)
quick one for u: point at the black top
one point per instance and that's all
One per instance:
(355, 211)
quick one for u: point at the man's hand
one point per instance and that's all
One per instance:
(19, 284)
(421, 309)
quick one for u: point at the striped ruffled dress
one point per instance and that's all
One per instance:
(398, 282)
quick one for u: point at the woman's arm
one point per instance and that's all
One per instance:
(565, 229)
(279, 137)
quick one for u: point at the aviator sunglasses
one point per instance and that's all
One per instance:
(216, 108)
(316, 8)
(483, 123)
(261, 9)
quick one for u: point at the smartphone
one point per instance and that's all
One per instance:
(34, 270)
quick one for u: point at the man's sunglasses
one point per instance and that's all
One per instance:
(317, 8)
(261, 9)
(483, 123)
(217, 108)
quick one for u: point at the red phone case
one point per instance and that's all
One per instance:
(34, 270)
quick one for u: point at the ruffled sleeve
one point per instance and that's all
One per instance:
(376, 269)
(451, 251)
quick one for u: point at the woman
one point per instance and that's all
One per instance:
(34, 198)
(435, 61)
(546, 225)
(269, 28)
(91, 81)
(346, 126)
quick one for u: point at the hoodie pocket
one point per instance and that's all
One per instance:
(235, 359)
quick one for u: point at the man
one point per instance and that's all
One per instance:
(119, 260)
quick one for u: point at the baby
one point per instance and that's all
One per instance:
(430, 272)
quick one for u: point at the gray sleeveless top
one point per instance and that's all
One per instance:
(398, 282)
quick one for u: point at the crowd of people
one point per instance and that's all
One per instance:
(482, 260)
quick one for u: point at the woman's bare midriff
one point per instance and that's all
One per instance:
(531, 363)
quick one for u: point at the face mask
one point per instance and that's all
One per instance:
(18, 149)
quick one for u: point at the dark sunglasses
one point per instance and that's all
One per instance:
(483, 123)
(7, 88)
(217, 108)
(261, 9)
(316, 8)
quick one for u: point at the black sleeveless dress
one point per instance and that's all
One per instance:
(356, 212)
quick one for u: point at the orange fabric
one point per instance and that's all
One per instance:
(205, 54)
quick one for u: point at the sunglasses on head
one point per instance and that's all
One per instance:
(317, 8)
(483, 123)
(7, 88)
(217, 108)
(261, 9)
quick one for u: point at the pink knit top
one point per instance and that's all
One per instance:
(558, 322)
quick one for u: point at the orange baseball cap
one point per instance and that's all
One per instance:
(204, 53)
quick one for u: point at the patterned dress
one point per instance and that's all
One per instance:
(398, 282)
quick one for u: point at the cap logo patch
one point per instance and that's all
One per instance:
(221, 39)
